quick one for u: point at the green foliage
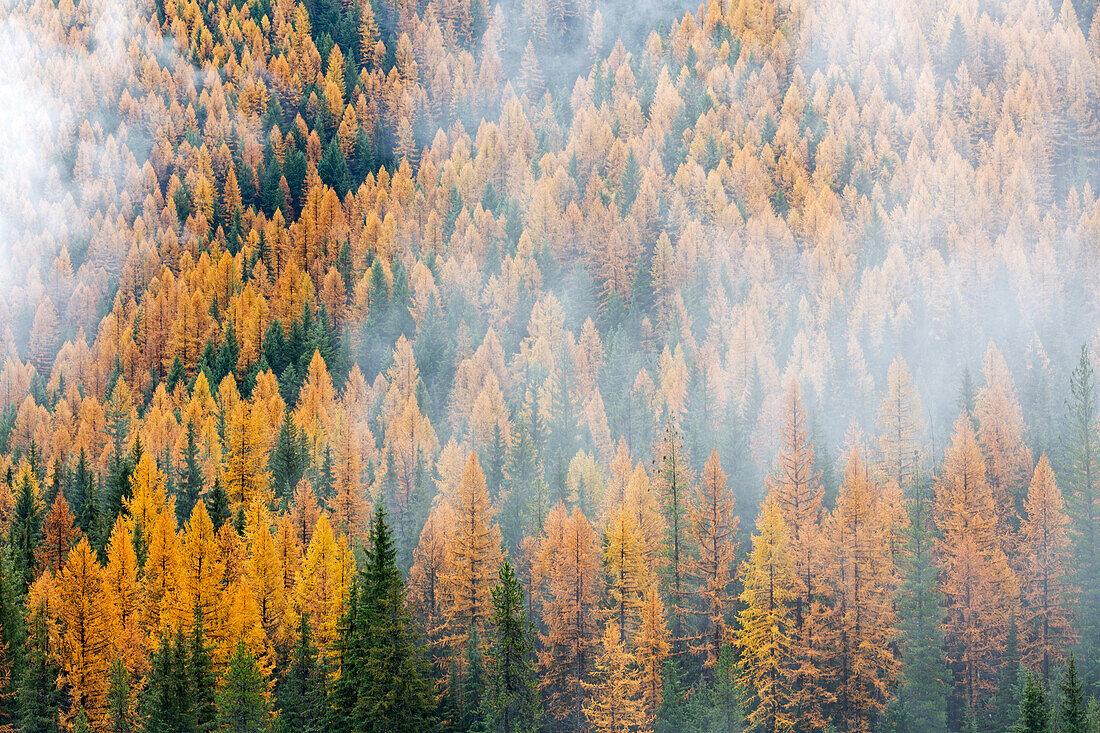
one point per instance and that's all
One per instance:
(510, 702)
(384, 679)
(1034, 709)
(241, 697)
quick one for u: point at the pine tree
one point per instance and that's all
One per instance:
(243, 706)
(511, 702)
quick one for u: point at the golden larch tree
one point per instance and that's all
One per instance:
(861, 656)
(86, 646)
(614, 704)
(766, 625)
(472, 556)
(567, 567)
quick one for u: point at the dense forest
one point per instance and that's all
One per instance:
(550, 365)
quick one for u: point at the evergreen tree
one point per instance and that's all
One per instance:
(511, 700)
(191, 478)
(122, 717)
(1080, 476)
(241, 697)
(39, 700)
(299, 691)
(168, 697)
(393, 691)
(217, 505)
(1034, 710)
(26, 525)
(921, 702)
(1072, 714)
(289, 458)
(200, 669)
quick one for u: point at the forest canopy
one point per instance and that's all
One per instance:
(549, 365)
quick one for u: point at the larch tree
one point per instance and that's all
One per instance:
(244, 468)
(795, 486)
(58, 536)
(85, 643)
(651, 650)
(568, 563)
(1046, 594)
(899, 426)
(627, 573)
(766, 623)
(614, 704)
(978, 586)
(861, 656)
(1001, 437)
(473, 556)
(714, 530)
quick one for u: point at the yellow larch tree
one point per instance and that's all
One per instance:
(651, 648)
(124, 597)
(766, 630)
(86, 645)
(614, 704)
(626, 570)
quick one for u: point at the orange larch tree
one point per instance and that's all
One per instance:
(714, 530)
(58, 536)
(978, 586)
(860, 653)
(472, 558)
(568, 566)
(1046, 593)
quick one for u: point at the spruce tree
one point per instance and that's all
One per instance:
(1072, 714)
(39, 699)
(299, 691)
(191, 478)
(394, 690)
(168, 698)
(242, 703)
(511, 700)
(122, 717)
(1034, 710)
(200, 670)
